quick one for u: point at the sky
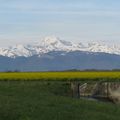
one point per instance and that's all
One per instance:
(26, 21)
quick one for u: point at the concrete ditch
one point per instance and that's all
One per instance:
(103, 91)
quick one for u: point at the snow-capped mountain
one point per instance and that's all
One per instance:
(49, 44)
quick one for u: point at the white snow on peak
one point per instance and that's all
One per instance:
(53, 43)
(50, 40)
(102, 47)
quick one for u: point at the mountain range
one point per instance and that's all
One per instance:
(49, 44)
(54, 54)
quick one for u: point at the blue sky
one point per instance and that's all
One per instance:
(26, 21)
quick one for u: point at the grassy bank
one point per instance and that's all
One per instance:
(45, 100)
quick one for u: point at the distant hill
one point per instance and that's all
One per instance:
(61, 60)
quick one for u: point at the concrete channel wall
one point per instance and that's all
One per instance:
(98, 90)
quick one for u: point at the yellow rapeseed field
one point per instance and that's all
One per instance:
(58, 75)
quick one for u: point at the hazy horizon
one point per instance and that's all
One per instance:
(27, 21)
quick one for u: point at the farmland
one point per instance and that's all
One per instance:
(59, 75)
(43, 96)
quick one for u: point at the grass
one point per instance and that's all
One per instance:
(59, 75)
(45, 100)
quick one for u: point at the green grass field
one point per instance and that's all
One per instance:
(59, 75)
(45, 100)
(43, 96)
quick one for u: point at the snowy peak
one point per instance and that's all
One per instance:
(20, 50)
(50, 40)
(102, 47)
(53, 43)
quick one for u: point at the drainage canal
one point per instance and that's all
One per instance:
(102, 91)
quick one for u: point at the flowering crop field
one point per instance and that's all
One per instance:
(59, 75)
